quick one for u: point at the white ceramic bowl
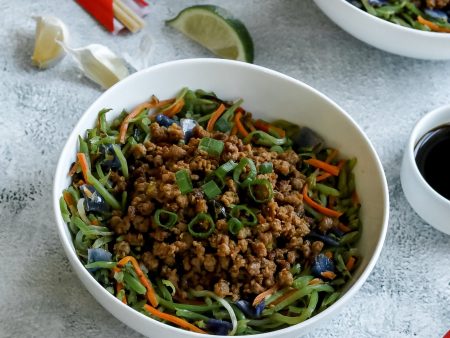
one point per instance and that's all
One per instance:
(386, 35)
(267, 94)
(430, 205)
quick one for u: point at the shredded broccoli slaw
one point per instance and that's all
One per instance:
(330, 202)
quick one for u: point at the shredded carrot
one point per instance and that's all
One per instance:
(84, 165)
(174, 109)
(328, 274)
(329, 254)
(238, 123)
(283, 297)
(263, 295)
(215, 116)
(343, 227)
(434, 27)
(318, 207)
(267, 127)
(119, 286)
(323, 177)
(73, 170)
(178, 321)
(315, 281)
(350, 263)
(329, 168)
(151, 295)
(233, 130)
(126, 121)
(68, 198)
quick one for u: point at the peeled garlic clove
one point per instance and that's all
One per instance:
(49, 30)
(99, 64)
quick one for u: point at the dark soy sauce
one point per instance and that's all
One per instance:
(432, 154)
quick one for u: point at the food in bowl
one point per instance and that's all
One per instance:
(426, 15)
(196, 214)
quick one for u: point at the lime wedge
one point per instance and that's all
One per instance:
(217, 30)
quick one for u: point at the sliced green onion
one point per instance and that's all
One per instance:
(265, 168)
(239, 170)
(261, 190)
(165, 219)
(110, 199)
(133, 283)
(64, 211)
(183, 181)
(212, 146)
(224, 169)
(122, 160)
(101, 265)
(244, 215)
(265, 139)
(327, 190)
(202, 217)
(211, 189)
(223, 124)
(234, 225)
(277, 149)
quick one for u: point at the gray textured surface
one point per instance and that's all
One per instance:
(407, 294)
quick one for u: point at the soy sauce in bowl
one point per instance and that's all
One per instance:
(432, 154)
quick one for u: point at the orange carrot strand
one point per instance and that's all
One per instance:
(178, 321)
(84, 165)
(350, 263)
(329, 168)
(343, 227)
(263, 295)
(318, 207)
(434, 27)
(151, 295)
(328, 274)
(214, 117)
(238, 123)
(174, 109)
(126, 121)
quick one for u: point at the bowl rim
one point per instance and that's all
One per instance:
(434, 35)
(414, 138)
(74, 260)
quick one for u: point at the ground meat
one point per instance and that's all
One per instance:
(238, 265)
(437, 3)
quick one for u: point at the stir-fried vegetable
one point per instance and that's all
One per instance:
(326, 190)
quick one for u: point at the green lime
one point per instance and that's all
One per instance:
(217, 30)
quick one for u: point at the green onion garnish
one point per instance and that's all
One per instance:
(211, 189)
(244, 215)
(264, 139)
(277, 149)
(211, 146)
(234, 225)
(266, 168)
(165, 219)
(201, 218)
(122, 160)
(183, 181)
(239, 170)
(261, 190)
(224, 169)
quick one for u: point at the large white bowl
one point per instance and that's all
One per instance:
(267, 94)
(386, 35)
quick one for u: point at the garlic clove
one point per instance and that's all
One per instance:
(49, 30)
(99, 64)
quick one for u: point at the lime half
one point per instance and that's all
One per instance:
(217, 30)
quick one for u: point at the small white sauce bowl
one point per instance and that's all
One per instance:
(429, 205)
(386, 35)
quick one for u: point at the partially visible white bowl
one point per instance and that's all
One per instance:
(267, 94)
(429, 204)
(386, 35)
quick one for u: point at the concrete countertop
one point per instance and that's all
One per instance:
(407, 294)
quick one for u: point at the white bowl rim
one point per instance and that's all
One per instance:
(414, 137)
(311, 321)
(434, 35)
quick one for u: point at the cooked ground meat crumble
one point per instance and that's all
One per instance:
(240, 266)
